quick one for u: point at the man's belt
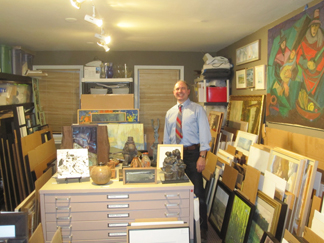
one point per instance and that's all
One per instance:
(192, 147)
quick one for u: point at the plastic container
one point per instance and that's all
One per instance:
(98, 91)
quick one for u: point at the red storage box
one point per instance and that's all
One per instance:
(216, 94)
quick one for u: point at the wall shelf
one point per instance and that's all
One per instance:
(107, 80)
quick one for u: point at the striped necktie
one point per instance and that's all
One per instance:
(179, 125)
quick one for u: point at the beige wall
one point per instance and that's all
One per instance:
(262, 35)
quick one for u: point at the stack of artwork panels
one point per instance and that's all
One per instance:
(295, 80)
(240, 220)
(119, 133)
(108, 116)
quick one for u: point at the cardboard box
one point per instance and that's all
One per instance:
(91, 72)
(107, 101)
(216, 94)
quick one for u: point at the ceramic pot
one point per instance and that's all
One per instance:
(100, 174)
(146, 162)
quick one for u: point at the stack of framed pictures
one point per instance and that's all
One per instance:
(269, 216)
(221, 208)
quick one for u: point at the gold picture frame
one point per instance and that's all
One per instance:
(241, 79)
(248, 108)
(248, 53)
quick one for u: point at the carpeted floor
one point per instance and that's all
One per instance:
(212, 236)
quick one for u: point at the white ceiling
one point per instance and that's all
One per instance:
(153, 25)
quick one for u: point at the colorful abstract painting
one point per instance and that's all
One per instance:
(85, 116)
(295, 85)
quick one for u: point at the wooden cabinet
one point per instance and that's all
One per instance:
(91, 213)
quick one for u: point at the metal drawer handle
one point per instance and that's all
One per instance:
(171, 195)
(64, 227)
(67, 236)
(63, 199)
(171, 214)
(63, 208)
(171, 204)
(63, 218)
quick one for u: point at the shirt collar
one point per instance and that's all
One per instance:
(184, 103)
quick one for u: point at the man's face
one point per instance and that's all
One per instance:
(283, 45)
(314, 29)
(181, 92)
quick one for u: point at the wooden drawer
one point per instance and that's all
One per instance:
(135, 214)
(131, 196)
(116, 206)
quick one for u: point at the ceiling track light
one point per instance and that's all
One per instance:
(77, 3)
(105, 38)
(92, 19)
(103, 45)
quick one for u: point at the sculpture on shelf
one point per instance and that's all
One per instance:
(156, 141)
(129, 151)
(173, 166)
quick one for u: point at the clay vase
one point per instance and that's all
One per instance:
(100, 174)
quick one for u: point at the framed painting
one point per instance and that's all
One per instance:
(244, 140)
(72, 163)
(265, 217)
(220, 208)
(163, 148)
(119, 133)
(248, 53)
(108, 117)
(247, 108)
(295, 84)
(241, 79)
(269, 238)
(85, 116)
(85, 136)
(240, 219)
(249, 77)
(260, 77)
(139, 175)
(215, 119)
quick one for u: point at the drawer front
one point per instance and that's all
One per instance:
(136, 214)
(113, 235)
(116, 205)
(103, 197)
(109, 224)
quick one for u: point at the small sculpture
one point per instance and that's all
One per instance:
(129, 151)
(173, 166)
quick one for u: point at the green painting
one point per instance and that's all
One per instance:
(119, 133)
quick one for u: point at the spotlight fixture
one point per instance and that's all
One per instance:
(92, 19)
(77, 3)
(105, 38)
(104, 45)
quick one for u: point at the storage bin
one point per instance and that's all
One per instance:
(216, 94)
(18, 57)
(6, 59)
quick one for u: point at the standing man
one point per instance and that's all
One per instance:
(186, 123)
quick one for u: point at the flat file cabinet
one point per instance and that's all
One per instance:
(92, 213)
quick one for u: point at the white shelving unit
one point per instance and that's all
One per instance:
(104, 81)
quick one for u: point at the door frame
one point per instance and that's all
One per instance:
(137, 68)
